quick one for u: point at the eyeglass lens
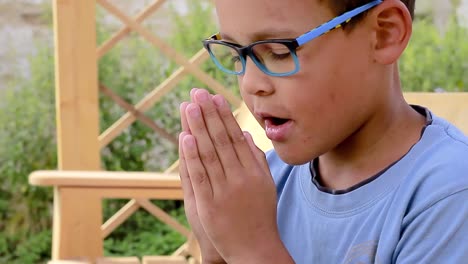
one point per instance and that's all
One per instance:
(271, 57)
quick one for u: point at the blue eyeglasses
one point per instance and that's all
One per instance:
(275, 57)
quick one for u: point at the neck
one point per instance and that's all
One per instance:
(382, 139)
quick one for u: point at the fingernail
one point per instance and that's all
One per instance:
(193, 91)
(218, 101)
(183, 106)
(182, 135)
(189, 141)
(202, 96)
(193, 110)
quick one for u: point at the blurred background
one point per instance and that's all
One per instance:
(436, 61)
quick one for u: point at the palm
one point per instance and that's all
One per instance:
(208, 250)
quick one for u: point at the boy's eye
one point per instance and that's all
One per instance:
(275, 55)
(272, 51)
(279, 55)
(235, 59)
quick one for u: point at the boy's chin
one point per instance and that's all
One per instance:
(291, 158)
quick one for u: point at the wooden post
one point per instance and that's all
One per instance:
(77, 126)
(76, 227)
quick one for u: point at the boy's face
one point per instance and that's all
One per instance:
(331, 95)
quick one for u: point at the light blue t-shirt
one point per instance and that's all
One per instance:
(415, 212)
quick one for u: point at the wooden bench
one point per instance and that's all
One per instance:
(78, 231)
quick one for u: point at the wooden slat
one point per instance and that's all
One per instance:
(164, 260)
(171, 53)
(143, 193)
(127, 119)
(139, 115)
(182, 250)
(68, 262)
(76, 85)
(174, 168)
(104, 48)
(118, 218)
(105, 179)
(118, 260)
(193, 261)
(193, 249)
(163, 216)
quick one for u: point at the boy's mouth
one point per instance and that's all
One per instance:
(276, 128)
(275, 121)
(270, 120)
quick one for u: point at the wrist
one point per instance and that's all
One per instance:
(272, 252)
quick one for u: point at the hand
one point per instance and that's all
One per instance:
(208, 251)
(232, 186)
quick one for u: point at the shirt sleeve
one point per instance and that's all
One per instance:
(438, 234)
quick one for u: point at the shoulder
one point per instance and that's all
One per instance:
(429, 204)
(444, 152)
(439, 172)
(454, 135)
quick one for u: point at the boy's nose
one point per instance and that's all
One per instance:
(254, 81)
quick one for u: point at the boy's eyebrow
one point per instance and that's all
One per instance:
(271, 33)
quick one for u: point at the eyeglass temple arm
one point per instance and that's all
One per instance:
(335, 23)
(216, 36)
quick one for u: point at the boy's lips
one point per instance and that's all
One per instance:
(277, 132)
(276, 128)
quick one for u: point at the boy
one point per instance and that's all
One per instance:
(356, 176)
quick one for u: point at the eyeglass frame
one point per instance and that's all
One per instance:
(292, 44)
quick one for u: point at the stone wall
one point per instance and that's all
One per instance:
(23, 24)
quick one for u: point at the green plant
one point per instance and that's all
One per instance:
(142, 235)
(432, 61)
(27, 143)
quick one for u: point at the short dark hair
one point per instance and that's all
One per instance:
(341, 6)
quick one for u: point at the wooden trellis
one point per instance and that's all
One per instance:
(79, 184)
(187, 66)
(78, 195)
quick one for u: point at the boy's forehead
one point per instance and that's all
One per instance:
(250, 20)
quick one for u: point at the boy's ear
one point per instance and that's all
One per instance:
(392, 25)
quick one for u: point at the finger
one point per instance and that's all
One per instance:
(192, 94)
(196, 172)
(258, 153)
(183, 117)
(239, 142)
(183, 173)
(206, 150)
(217, 131)
(194, 91)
